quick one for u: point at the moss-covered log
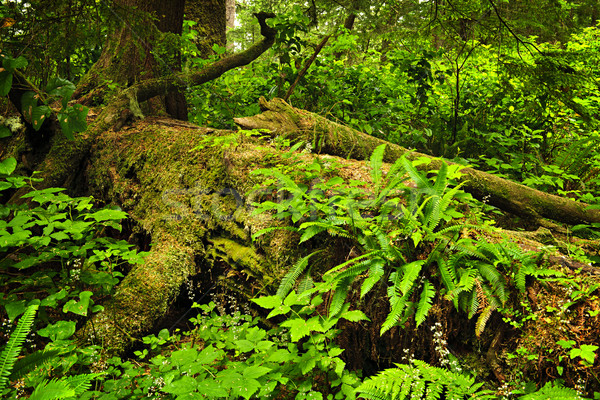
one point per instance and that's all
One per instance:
(193, 205)
(335, 139)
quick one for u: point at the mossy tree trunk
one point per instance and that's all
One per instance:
(211, 17)
(144, 46)
(335, 139)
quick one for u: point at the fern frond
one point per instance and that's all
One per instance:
(335, 231)
(398, 302)
(271, 229)
(420, 381)
(473, 297)
(419, 179)
(354, 271)
(52, 390)
(81, 383)
(339, 295)
(376, 271)
(554, 391)
(491, 274)
(466, 247)
(290, 278)
(11, 351)
(483, 319)
(376, 163)
(32, 362)
(310, 229)
(433, 213)
(350, 262)
(425, 303)
(410, 273)
(305, 284)
(447, 273)
(441, 180)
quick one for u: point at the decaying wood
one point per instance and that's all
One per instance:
(332, 138)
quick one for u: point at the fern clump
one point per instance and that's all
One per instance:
(421, 381)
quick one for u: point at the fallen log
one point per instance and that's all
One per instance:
(335, 139)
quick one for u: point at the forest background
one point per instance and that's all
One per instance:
(419, 217)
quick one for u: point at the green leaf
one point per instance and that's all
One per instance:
(14, 63)
(184, 357)
(54, 389)
(73, 119)
(255, 371)
(411, 272)
(566, 344)
(12, 349)
(244, 346)
(269, 302)
(15, 308)
(5, 132)
(39, 115)
(354, 316)
(300, 328)
(185, 385)
(8, 166)
(376, 163)
(58, 331)
(62, 88)
(208, 355)
(107, 214)
(5, 82)
(79, 307)
(425, 302)
(212, 389)
(280, 356)
(292, 275)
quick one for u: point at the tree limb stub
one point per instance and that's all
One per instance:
(335, 139)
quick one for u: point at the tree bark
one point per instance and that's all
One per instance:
(138, 51)
(332, 138)
(211, 18)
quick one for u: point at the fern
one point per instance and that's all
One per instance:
(447, 273)
(376, 271)
(410, 273)
(554, 391)
(305, 284)
(425, 303)
(13, 348)
(420, 180)
(339, 296)
(420, 381)
(483, 319)
(398, 302)
(290, 278)
(311, 229)
(81, 383)
(32, 362)
(354, 271)
(51, 390)
(376, 163)
(491, 274)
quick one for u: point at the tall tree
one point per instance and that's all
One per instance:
(143, 47)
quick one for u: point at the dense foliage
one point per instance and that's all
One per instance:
(481, 83)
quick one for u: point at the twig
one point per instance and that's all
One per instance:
(306, 67)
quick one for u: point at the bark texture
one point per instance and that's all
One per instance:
(211, 18)
(335, 139)
(139, 51)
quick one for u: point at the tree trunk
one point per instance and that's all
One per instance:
(230, 17)
(211, 18)
(331, 138)
(138, 51)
